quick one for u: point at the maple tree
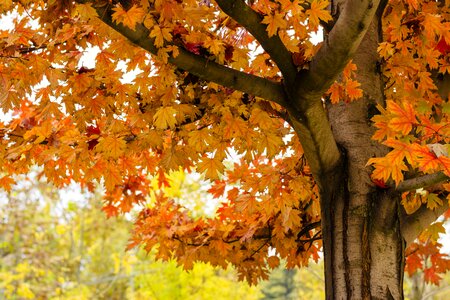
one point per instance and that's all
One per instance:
(341, 145)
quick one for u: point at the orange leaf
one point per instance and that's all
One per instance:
(165, 117)
(273, 261)
(317, 12)
(384, 169)
(160, 34)
(111, 146)
(404, 118)
(274, 22)
(129, 17)
(335, 91)
(352, 89)
(211, 166)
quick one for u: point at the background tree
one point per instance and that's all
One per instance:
(281, 285)
(316, 168)
(59, 245)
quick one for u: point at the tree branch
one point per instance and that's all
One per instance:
(412, 225)
(198, 65)
(251, 20)
(338, 48)
(421, 182)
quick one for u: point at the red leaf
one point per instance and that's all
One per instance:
(442, 46)
(193, 47)
(380, 183)
(431, 276)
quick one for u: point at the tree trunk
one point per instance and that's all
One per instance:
(363, 245)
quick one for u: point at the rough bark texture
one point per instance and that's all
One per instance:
(364, 247)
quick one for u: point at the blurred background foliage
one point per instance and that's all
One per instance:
(58, 244)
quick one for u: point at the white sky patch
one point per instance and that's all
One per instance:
(316, 37)
(444, 239)
(6, 21)
(87, 60)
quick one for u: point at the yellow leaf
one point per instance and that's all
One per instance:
(165, 117)
(211, 167)
(112, 177)
(274, 22)
(271, 143)
(5, 5)
(111, 146)
(432, 24)
(318, 11)
(432, 232)
(86, 11)
(130, 17)
(215, 46)
(433, 201)
(41, 132)
(160, 34)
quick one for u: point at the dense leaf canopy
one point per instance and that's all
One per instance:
(210, 86)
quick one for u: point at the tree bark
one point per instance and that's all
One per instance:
(363, 244)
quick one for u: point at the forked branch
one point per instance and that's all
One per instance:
(412, 225)
(422, 182)
(338, 48)
(251, 20)
(198, 65)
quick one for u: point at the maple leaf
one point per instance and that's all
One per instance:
(431, 276)
(165, 117)
(352, 89)
(335, 92)
(273, 261)
(385, 50)
(110, 146)
(433, 201)
(86, 11)
(215, 46)
(413, 263)
(384, 169)
(160, 35)
(442, 46)
(274, 22)
(6, 183)
(112, 177)
(221, 247)
(271, 143)
(211, 167)
(217, 189)
(427, 160)
(129, 17)
(432, 232)
(405, 117)
(432, 23)
(318, 12)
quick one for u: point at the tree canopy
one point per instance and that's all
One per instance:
(307, 126)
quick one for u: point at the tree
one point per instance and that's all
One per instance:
(341, 145)
(281, 285)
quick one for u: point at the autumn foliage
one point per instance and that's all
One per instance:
(89, 124)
